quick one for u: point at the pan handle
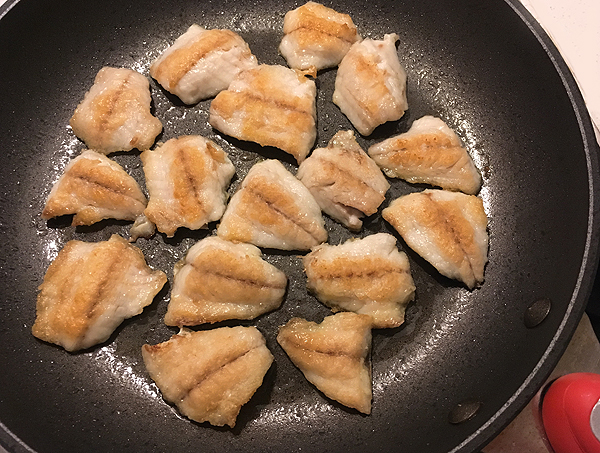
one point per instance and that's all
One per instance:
(571, 413)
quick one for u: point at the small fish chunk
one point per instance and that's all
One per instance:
(370, 86)
(431, 153)
(94, 188)
(115, 113)
(271, 105)
(220, 280)
(209, 375)
(273, 209)
(448, 229)
(367, 276)
(333, 355)
(344, 180)
(201, 63)
(316, 36)
(187, 178)
(90, 288)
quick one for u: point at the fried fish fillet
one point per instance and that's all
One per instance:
(273, 209)
(271, 105)
(431, 153)
(316, 36)
(333, 355)
(209, 375)
(93, 187)
(187, 178)
(90, 288)
(448, 229)
(115, 113)
(221, 280)
(344, 180)
(367, 276)
(201, 63)
(370, 86)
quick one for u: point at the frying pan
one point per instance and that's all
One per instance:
(463, 364)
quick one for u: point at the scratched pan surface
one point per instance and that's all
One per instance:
(484, 67)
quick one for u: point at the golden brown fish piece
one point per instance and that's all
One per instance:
(201, 63)
(220, 280)
(448, 229)
(344, 180)
(115, 113)
(271, 105)
(316, 36)
(273, 209)
(370, 85)
(90, 288)
(93, 187)
(332, 356)
(431, 153)
(367, 276)
(209, 375)
(187, 178)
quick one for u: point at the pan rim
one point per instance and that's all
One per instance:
(587, 271)
(589, 263)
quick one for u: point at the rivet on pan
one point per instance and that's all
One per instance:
(464, 411)
(537, 312)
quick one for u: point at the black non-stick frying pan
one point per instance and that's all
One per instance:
(464, 362)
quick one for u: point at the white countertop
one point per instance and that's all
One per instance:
(574, 27)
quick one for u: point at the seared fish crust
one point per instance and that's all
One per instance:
(90, 288)
(367, 276)
(344, 180)
(187, 178)
(273, 209)
(448, 229)
(431, 153)
(209, 375)
(221, 280)
(115, 113)
(316, 36)
(94, 188)
(333, 356)
(201, 63)
(271, 105)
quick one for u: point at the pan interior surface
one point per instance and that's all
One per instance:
(478, 66)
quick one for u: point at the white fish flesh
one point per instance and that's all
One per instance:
(271, 105)
(333, 355)
(115, 113)
(448, 229)
(316, 36)
(367, 276)
(90, 288)
(209, 375)
(273, 209)
(187, 178)
(430, 153)
(370, 86)
(220, 280)
(344, 180)
(93, 188)
(201, 63)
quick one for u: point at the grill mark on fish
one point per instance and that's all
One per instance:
(181, 61)
(110, 107)
(349, 175)
(441, 212)
(273, 207)
(189, 180)
(100, 185)
(321, 28)
(296, 341)
(357, 273)
(208, 373)
(233, 278)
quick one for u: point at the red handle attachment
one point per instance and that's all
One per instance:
(571, 413)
